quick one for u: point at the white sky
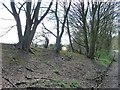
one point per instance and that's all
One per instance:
(11, 36)
(4, 24)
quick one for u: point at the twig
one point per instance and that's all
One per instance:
(29, 69)
(7, 31)
(6, 19)
(19, 83)
(7, 8)
(48, 30)
(99, 85)
(9, 82)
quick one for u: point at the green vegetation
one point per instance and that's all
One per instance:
(63, 84)
(46, 61)
(37, 52)
(69, 54)
(57, 82)
(56, 71)
(103, 58)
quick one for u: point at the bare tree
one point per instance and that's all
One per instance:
(78, 18)
(92, 23)
(60, 30)
(59, 34)
(32, 20)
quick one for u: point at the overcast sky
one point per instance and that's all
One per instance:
(7, 20)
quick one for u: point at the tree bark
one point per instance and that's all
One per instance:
(84, 16)
(32, 22)
(58, 45)
(70, 40)
(93, 33)
(59, 36)
(119, 40)
(18, 22)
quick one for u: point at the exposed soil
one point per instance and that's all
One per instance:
(45, 68)
(111, 80)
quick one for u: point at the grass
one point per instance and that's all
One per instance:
(56, 71)
(104, 61)
(103, 58)
(57, 82)
(37, 52)
(69, 54)
(46, 61)
(64, 84)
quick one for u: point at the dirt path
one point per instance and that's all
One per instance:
(111, 79)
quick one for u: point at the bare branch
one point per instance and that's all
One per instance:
(65, 17)
(6, 19)
(13, 8)
(77, 42)
(21, 7)
(8, 30)
(48, 30)
(9, 82)
(7, 8)
(46, 12)
(36, 11)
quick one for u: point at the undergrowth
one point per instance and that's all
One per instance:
(104, 57)
(69, 54)
(57, 82)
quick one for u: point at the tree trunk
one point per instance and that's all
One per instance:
(32, 21)
(58, 45)
(119, 40)
(93, 33)
(72, 49)
(59, 35)
(85, 37)
(46, 42)
(92, 40)
(84, 16)
(92, 48)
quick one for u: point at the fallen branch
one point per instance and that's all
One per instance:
(99, 85)
(29, 69)
(9, 82)
(19, 83)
